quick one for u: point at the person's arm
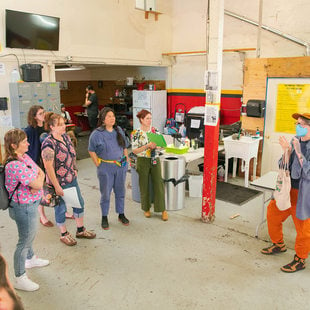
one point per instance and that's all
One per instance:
(48, 156)
(87, 101)
(126, 154)
(37, 183)
(150, 145)
(94, 157)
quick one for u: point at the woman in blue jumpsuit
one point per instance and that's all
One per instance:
(108, 150)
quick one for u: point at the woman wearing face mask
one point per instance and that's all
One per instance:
(299, 165)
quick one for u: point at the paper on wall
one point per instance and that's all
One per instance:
(71, 198)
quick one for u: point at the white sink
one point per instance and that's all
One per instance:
(245, 147)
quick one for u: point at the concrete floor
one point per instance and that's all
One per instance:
(151, 264)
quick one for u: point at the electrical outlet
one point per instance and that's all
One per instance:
(69, 58)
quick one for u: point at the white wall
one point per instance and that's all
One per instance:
(97, 31)
(113, 32)
(189, 34)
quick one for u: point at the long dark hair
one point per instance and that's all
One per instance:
(32, 113)
(101, 126)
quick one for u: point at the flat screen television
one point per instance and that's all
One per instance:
(31, 31)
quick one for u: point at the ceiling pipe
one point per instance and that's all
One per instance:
(273, 30)
(259, 30)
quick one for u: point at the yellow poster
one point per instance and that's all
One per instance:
(291, 98)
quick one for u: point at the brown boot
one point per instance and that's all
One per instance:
(147, 214)
(164, 216)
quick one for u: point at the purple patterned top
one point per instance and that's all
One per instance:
(24, 170)
(65, 158)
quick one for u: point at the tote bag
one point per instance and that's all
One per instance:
(283, 186)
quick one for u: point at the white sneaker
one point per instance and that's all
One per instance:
(35, 261)
(25, 284)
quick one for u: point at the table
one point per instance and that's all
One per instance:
(267, 183)
(245, 148)
(193, 154)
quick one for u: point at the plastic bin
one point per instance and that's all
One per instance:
(174, 177)
(32, 72)
(195, 185)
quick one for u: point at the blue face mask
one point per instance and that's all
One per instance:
(301, 131)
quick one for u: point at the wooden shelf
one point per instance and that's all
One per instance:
(146, 14)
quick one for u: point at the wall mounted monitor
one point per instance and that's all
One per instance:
(31, 31)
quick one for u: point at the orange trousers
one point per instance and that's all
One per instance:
(275, 218)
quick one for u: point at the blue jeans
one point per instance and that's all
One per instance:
(61, 209)
(26, 218)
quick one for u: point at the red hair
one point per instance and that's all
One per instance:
(142, 114)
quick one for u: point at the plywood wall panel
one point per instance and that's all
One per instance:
(256, 72)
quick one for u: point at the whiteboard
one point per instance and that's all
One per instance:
(271, 148)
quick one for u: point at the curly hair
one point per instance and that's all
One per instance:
(13, 136)
(32, 114)
(102, 115)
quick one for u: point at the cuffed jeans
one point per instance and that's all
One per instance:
(61, 209)
(26, 218)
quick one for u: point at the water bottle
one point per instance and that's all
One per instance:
(257, 133)
(15, 76)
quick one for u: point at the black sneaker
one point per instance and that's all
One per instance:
(104, 223)
(122, 218)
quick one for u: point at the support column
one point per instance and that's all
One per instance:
(213, 79)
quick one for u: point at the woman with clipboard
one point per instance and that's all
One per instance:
(148, 163)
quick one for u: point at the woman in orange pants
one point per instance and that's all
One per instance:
(300, 198)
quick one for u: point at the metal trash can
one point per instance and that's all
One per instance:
(173, 171)
(135, 187)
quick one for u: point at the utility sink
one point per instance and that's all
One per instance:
(244, 148)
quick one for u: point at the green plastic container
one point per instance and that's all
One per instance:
(176, 150)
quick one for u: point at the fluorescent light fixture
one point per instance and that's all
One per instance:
(69, 68)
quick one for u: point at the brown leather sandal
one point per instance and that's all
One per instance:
(67, 239)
